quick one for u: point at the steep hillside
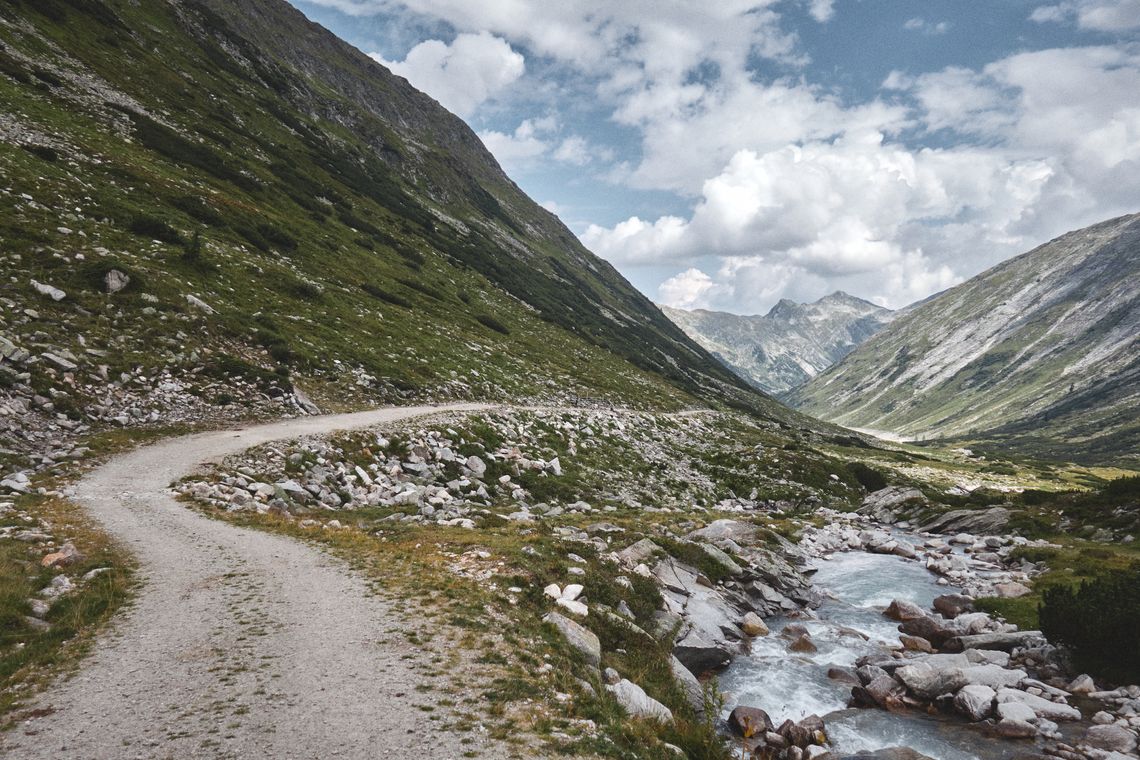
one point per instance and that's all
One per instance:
(1041, 352)
(207, 190)
(792, 343)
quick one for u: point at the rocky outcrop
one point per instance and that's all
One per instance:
(987, 521)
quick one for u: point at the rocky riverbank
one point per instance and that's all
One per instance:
(951, 659)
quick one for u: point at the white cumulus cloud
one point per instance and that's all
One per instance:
(462, 75)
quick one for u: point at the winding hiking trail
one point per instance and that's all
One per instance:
(240, 643)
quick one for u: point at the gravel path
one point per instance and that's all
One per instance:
(240, 643)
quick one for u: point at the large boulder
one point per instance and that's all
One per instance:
(934, 630)
(881, 691)
(953, 605)
(1111, 738)
(750, 721)
(975, 701)
(903, 610)
(579, 637)
(980, 521)
(1043, 708)
(701, 655)
(883, 505)
(694, 692)
(928, 682)
(637, 703)
(1005, 642)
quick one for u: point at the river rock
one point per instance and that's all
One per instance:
(701, 655)
(889, 753)
(936, 631)
(1041, 707)
(1005, 642)
(1112, 738)
(577, 636)
(844, 675)
(975, 701)
(754, 625)
(953, 605)
(803, 644)
(750, 721)
(883, 691)
(1082, 684)
(903, 610)
(987, 657)
(1016, 711)
(927, 682)
(1016, 729)
(637, 703)
(993, 676)
(915, 644)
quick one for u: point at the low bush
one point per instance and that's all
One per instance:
(1098, 622)
(493, 324)
(156, 229)
(868, 477)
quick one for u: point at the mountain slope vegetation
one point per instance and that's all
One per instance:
(279, 202)
(792, 343)
(1041, 352)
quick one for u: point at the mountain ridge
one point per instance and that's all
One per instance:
(1040, 351)
(790, 343)
(281, 203)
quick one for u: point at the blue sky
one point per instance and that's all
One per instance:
(725, 155)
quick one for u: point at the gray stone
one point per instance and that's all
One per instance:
(638, 552)
(115, 280)
(1005, 642)
(694, 692)
(1041, 707)
(197, 304)
(990, 520)
(975, 701)
(577, 636)
(927, 682)
(1112, 738)
(50, 291)
(637, 703)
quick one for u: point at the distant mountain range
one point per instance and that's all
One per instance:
(1041, 352)
(792, 343)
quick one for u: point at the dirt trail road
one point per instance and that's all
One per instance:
(240, 643)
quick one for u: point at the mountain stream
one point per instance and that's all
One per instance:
(792, 685)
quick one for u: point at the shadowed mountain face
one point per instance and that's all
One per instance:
(338, 222)
(1041, 352)
(791, 344)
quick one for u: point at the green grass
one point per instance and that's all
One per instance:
(30, 658)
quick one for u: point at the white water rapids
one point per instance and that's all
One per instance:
(792, 685)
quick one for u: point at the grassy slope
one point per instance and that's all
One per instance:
(347, 229)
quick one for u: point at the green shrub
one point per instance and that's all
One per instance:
(491, 323)
(156, 229)
(384, 295)
(868, 477)
(1098, 623)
